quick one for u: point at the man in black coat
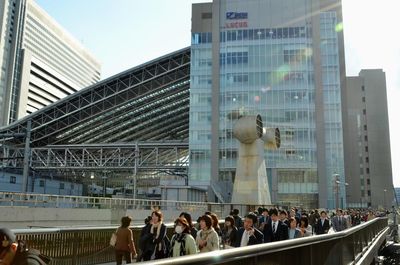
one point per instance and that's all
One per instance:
(322, 226)
(275, 230)
(248, 234)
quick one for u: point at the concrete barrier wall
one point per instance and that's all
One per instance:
(24, 217)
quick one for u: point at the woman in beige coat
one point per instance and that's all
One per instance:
(207, 239)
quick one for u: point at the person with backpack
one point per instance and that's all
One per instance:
(17, 253)
(182, 242)
(8, 247)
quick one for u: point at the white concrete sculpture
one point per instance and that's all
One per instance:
(251, 183)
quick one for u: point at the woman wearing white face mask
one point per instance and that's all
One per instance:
(182, 242)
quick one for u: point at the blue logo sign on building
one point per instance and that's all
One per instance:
(236, 15)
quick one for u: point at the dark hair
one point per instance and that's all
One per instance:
(126, 221)
(235, 211)
(188, 218)
(273, 211)
(230, 219)
(159, 214)
(215, 221)
(323, 212)
(253, 217)
(283, 212)
(207, 213)
(305, 220)
(5, 232)
(184, 223)
(291, 219)
(147, 220)
(207, 219)
(265, 210)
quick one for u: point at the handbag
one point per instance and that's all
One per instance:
(113, 239)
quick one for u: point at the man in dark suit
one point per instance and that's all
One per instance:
(248, 234)
(339, 223)
(275, 230)
(322, 226)
(263, 220)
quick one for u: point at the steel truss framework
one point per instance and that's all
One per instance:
(148, 102)
(116, 124)
(101, 157)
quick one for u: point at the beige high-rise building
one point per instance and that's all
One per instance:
(40, 62)
(368, 165)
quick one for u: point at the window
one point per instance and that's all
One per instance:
(367, 159)
(368, 181)
(366, 138)
(13, 179)
(361, 170)
(362, 88)
(365, 127)
(61, 186)
(364, 111)
(367, 170)
(369, 193)
(366, 149)
(41, 183)
(72, 186)
(363, 99)
(207, 15)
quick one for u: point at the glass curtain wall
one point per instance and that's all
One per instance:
(269, 71)
(200, 108)
(332, 109)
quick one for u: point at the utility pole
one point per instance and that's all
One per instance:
(336, 182)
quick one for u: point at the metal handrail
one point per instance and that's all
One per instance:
(91, 198)
(84, 202)
(243, 253)
(89, 245)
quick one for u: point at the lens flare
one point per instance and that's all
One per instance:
(339, 27)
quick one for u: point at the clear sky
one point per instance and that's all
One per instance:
(125, 33)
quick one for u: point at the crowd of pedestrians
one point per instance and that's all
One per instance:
(262, 226)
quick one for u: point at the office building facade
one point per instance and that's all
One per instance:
(40, 62)
(283, 60)
(367, 141)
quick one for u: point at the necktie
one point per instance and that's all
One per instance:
(274, 227)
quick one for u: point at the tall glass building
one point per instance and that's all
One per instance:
(283, 60)
(40, 62)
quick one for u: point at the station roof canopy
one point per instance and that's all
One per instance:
(149, 102)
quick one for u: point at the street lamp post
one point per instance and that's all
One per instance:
(337, 189)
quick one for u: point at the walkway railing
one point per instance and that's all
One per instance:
(75, 246)
(84, 246)
(346, 247)
(65, 201)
